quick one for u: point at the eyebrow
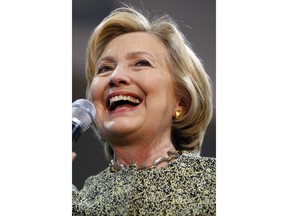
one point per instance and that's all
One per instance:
(102, 60)
(132, 55)
(105, 58)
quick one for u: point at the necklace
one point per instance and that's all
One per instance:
(114, 166)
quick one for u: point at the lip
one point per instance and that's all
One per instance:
(121, 93)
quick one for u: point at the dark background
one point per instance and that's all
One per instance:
(197, 20)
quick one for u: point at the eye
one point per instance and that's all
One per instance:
(142, 63)
(104, 68)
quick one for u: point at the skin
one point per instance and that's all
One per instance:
(135, 64)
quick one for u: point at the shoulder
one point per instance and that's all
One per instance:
(193, 157)
(100, 177)
(198, 163)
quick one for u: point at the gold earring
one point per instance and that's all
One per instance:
(178, 114)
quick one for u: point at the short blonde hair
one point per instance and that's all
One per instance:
(192, 84)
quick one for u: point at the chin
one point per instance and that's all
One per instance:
(120, 127)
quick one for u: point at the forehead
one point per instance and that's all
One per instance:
(135, 42)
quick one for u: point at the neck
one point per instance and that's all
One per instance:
(143, 155)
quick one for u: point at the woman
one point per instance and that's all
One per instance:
(153, 101)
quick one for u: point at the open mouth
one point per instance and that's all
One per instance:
(118, 101)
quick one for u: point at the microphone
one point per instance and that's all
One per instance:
(83, 114)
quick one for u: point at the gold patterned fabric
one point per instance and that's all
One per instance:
(186, 186)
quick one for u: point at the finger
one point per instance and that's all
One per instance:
(73, 155)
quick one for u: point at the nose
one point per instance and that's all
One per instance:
(119, 77)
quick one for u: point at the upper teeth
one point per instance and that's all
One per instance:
(124, 97)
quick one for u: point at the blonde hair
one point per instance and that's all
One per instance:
(192, 84)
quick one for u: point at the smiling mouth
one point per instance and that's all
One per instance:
(121, 101)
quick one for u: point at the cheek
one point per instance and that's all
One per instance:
(160, 93)
(163, 87)
(97, 95)
(96, 89)
(167, 94)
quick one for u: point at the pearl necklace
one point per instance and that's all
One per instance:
(114, 166)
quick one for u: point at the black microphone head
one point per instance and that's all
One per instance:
(83, 113)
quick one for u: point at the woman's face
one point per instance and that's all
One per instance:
(132, 89)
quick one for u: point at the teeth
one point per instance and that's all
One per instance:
(124, 97)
